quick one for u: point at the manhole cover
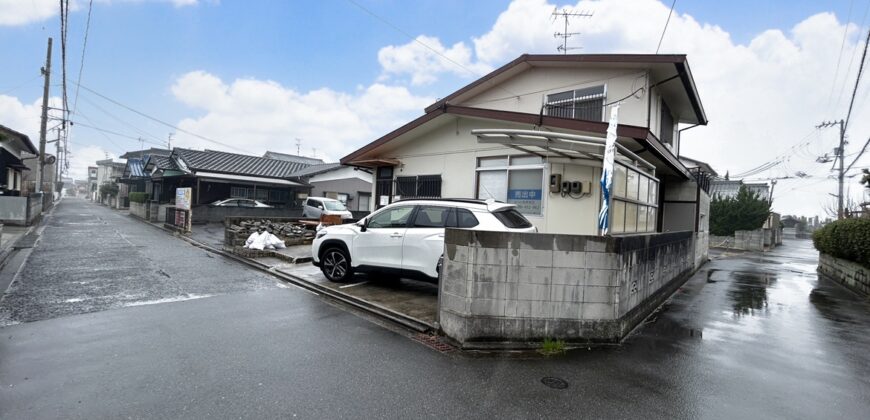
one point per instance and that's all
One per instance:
(554, 383)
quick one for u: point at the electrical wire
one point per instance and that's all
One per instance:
(159, 121)
(857, 82)
(82, 62)
(666, 26)
(840, 56)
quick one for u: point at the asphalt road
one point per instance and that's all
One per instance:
(750, 335)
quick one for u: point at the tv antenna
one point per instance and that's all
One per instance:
(566, 14)
(298, 146)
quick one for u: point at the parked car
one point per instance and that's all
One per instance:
(240, 202)
(406, 238)
(314, 207)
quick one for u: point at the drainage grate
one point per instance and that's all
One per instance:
(554, 383)
(434, 342)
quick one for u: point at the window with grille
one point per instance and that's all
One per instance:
(580, 104)
(421, 186)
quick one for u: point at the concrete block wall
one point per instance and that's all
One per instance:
(524, 287)
(139, 210)
(850, 274)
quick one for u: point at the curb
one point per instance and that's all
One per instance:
(370, 308)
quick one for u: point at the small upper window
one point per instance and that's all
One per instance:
(580, 104)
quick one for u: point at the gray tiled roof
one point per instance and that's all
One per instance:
(145, 153)
(162, 162)
(292, 158)
(316, 169)
(135, 168)
(233, 163)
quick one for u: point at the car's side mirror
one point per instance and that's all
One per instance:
(363, 225)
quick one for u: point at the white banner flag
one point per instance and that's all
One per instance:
(607, 171)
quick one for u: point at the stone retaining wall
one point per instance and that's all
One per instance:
(848, 273)
(524, 287)
(748, 240)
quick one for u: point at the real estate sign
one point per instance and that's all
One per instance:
(183, 198)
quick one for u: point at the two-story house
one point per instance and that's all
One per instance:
(13, 147)
(532, 133)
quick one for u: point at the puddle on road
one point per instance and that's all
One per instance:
(749, 293)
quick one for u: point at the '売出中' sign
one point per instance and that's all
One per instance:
(528, 201)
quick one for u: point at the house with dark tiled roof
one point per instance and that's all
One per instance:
(293, 158)
(12, 145)
(216, 175)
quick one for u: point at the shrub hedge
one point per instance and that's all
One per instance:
(138, 197)
(848, 239)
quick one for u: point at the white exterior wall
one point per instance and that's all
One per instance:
(342, 173)
(452, 152)
(530, 90)
(532, 87)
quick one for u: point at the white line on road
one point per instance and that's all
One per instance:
(352, 285)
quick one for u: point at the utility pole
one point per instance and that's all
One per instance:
(566, 14)
(841, 154)
(40, 168)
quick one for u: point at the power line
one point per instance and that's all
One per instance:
(851, 58)
(840, 56)
(857, 80)
(126, 136)
(666, 26)
(157, 120)
(82, 62)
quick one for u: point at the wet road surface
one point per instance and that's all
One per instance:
(750, 335)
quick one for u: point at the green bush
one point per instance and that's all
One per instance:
(848, 239)
(109, 189)
(138, 197)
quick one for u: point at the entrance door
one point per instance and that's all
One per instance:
(381, 244)
(364, 201)
(384, 186)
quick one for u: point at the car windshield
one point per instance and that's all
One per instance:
(335, 205)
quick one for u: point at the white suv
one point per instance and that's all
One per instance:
(406, 238)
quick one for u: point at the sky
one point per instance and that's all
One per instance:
(251, 76)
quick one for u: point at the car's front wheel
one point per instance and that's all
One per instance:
(335, 265)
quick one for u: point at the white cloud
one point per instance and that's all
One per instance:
(259, 115)
(424, 64)
(25, 118)
(23, 12)
(20, 12)
(761, 97)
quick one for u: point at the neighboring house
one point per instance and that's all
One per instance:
(145, 153)
(92, 183)
(216, 175)
(729, 188)
(13, 148)
(293, 158)
(352, 186)
(547, 117)
(109, 171)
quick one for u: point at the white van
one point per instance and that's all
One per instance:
(314, 207)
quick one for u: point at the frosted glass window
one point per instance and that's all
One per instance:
(631, 187)
(630, 217)
(619, 181)
(492, 184)
(526, 160)
(490, 162)
(641, 218)
(617, 217)
(643, 190)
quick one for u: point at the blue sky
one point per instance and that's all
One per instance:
(166, 59)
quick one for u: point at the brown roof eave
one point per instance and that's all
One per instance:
(429, 116)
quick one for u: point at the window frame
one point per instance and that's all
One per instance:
(411, 217)
(575, 100)
(507, 169)
(651, 206)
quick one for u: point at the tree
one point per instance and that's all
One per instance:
(746, 211)
(109, 189)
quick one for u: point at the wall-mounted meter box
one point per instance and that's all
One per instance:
(576, 187)
(555, 183)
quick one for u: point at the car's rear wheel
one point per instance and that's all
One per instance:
(335, 265)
